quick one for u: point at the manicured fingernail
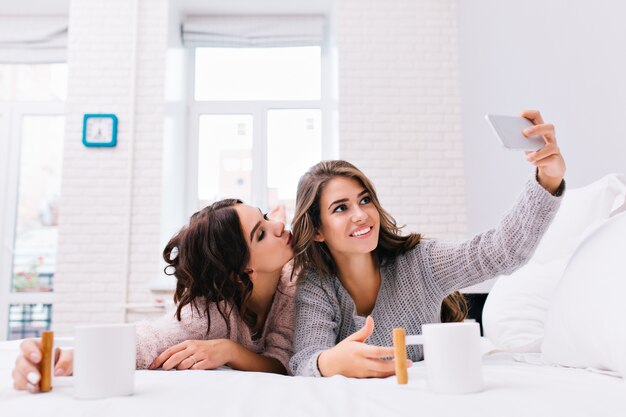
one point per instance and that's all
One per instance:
(34, 356)
(59, 372)
(409, 364)
(33, 377)
(527, 131)
(31, 388)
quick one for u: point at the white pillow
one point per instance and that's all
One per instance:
(514, 313)
(580, 208)
(585, 326)
(516, 308)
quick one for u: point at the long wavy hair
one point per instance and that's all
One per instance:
(311, 255)
(208, 257)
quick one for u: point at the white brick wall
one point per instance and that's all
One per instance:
(109, 226)
(399, 108)
(399, 121)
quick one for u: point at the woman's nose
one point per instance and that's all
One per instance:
(359, 215)
(279, 228)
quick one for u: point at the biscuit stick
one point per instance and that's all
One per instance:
(47, 357)
(399, 347)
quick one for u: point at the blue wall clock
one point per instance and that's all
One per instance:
(100, 130)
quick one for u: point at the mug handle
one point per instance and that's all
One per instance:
(400, 341)
(47, 361)
(49, 344)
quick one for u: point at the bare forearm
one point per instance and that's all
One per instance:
(244, 360)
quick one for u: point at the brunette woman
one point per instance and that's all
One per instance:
(234, 299)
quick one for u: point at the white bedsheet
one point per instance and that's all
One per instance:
(512, 389)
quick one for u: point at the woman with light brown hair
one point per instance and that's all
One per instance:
(356, 268)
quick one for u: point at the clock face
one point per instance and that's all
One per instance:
(100, 130)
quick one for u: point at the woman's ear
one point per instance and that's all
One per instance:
(319, 236)
(251, 274)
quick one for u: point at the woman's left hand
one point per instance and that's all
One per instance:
(548, 160)
(195, 354)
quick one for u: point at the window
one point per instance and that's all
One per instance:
(27, 83)
(294, 138)
(33, 125)
(39, 191)
(28, 320)
(258, 74)
(224, 157)
(256, 123)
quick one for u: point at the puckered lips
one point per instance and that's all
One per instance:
(362, 232)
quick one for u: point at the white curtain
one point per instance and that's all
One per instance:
(253, 31)
(33, 39)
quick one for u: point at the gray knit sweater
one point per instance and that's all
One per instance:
(414, 284)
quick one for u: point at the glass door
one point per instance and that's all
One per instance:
(32, 124)
(31, 223)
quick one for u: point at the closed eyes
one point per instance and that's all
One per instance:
(262, 231)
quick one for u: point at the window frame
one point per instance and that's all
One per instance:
(11, 127)
(258, 109)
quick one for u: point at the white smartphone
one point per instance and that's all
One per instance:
(509, 130)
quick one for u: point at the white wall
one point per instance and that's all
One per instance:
(399, 108)
(564, 57)
(109, 226)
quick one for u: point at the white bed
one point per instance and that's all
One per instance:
(512, 389)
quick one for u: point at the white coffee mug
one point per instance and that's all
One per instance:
(104, 360)
(452, 355)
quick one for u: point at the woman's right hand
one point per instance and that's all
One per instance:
(353, 358)
(26, 373)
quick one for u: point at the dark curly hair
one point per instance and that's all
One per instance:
(208, 257)
(391, 243)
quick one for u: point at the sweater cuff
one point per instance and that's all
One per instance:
(559, 191)
(311, 368)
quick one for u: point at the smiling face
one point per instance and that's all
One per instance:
(269, 242)
(350, 220)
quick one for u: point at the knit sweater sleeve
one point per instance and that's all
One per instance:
(279, 338)
(498, 251)
(316, 326)
(153, 337)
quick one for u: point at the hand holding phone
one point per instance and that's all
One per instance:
(509, 130)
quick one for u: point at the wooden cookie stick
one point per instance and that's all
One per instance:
(399, 347)
(47, 343)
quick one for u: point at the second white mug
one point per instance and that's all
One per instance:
(452, 355)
